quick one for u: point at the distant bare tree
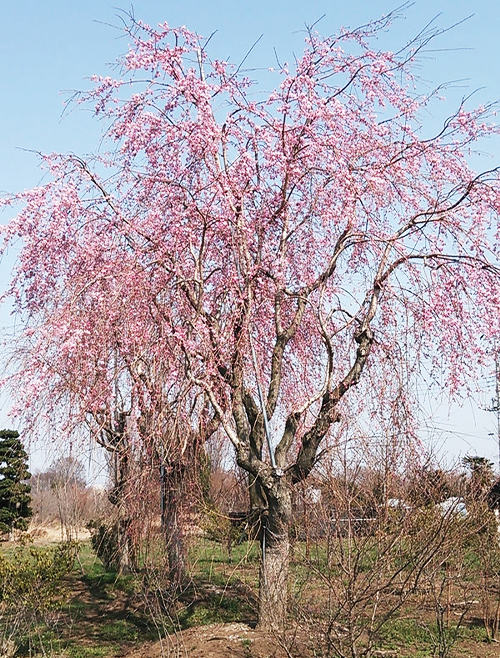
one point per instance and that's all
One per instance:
(60, 494)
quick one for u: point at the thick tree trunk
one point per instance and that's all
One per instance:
(257, 506)
(125, 550)
(173, 508)
(273, 583)
(176, 548)
(126, 557)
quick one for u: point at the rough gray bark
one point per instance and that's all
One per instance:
(114, 439)
(274, 566)
(125, 558)
(172, 519)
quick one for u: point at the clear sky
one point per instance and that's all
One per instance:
(48, 49)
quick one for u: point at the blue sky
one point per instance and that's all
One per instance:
(48, 49)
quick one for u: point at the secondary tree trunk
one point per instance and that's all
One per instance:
(172, 514)
(125, 558)
(273, 585)
(126, 553)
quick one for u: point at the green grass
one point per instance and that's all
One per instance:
(404, 632)
(51, 644)
(206, 551)
(214, 608)
(400, 633)
(212, 564)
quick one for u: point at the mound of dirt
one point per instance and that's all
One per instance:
(224, 641)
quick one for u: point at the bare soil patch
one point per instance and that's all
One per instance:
(236, 640)
(225, 641)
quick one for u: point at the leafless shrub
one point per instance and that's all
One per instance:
(60, 496)
(372, 551)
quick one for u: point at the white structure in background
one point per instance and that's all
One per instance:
(396, 503)
(453, 505)
(496, 512)
(312, 496)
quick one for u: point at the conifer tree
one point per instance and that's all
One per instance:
(15, 496)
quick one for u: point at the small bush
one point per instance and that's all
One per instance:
(104, 540)
(32, 589)
(221, 528)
